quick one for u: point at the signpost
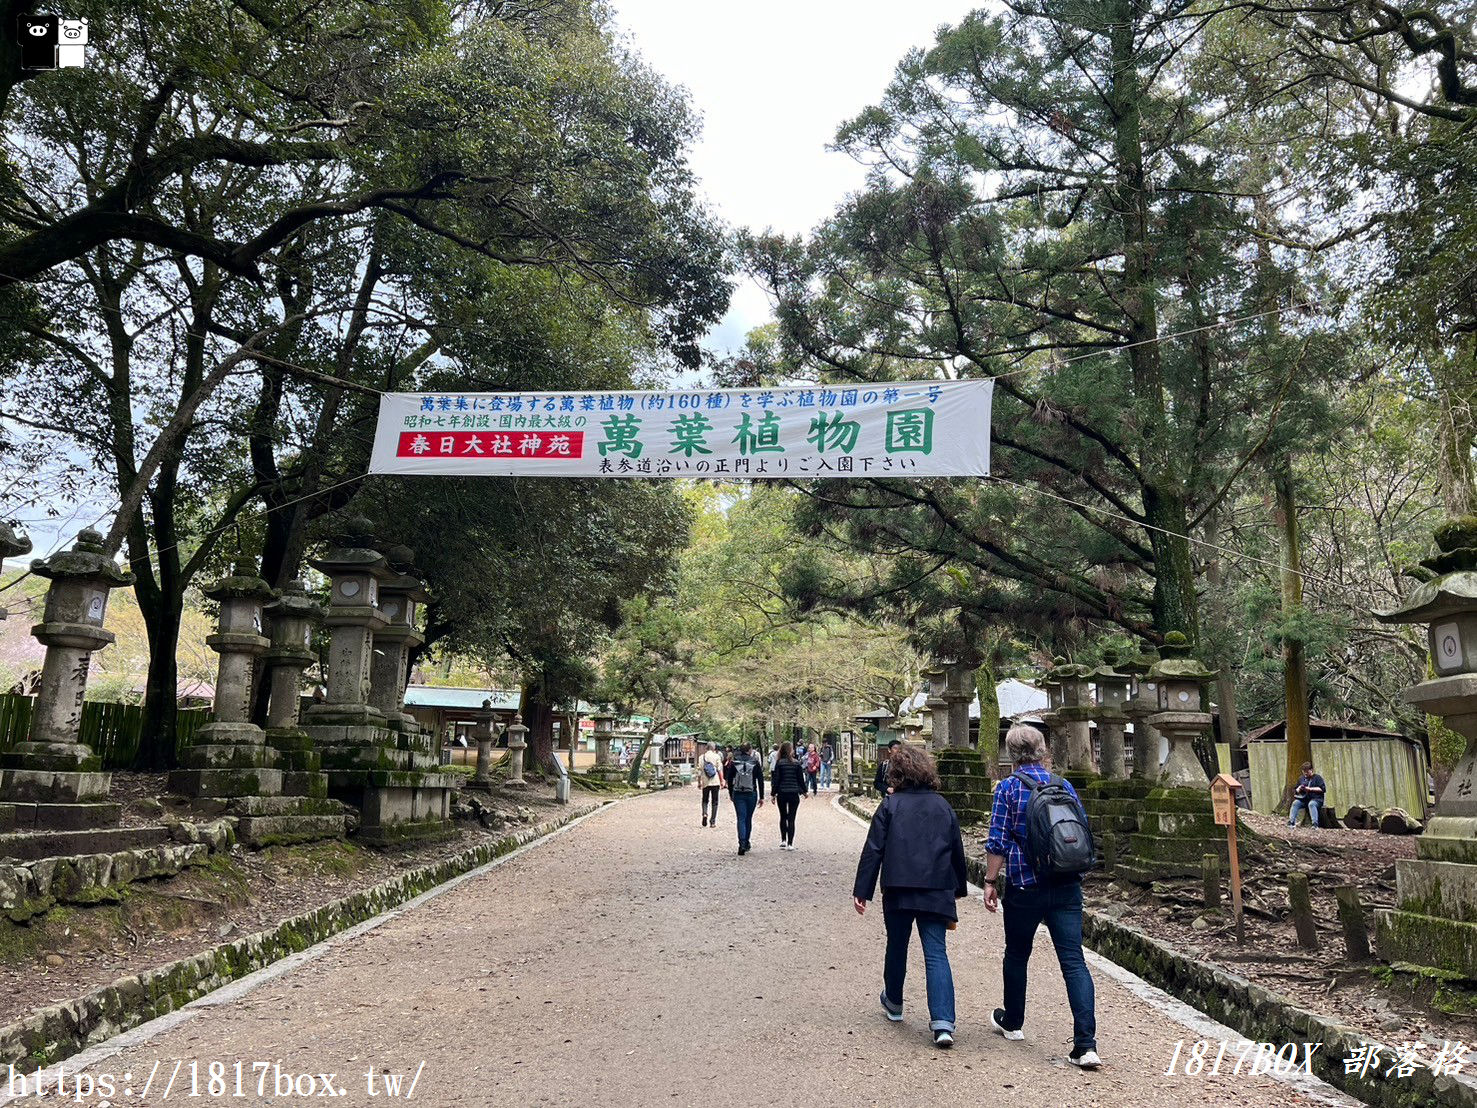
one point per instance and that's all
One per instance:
(1223, 802)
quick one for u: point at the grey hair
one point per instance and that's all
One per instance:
(1024, 744)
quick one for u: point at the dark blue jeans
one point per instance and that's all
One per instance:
(932, 932)
(1060, 908)
(743, 809)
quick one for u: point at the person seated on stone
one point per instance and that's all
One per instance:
(1310, 792)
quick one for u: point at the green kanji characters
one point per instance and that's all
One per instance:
(910, 430)
(620, 436)
(759, 438)
(688, 433)
(831, 431)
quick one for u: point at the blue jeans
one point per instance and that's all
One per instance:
(1314, 806)
(932, 932)
(743, 809)
(825, 775)
(1060, 908)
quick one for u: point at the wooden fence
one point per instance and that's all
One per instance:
(112, 730)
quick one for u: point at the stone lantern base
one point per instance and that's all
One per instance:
(393, 777)
(56, 800)
(966, 784)
(273, 795)
(1112, 808)
(1176, 829)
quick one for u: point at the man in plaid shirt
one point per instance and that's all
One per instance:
(1032, 899)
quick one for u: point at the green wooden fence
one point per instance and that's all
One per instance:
(112, 730)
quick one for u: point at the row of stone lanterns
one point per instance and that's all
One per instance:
(1158, 695)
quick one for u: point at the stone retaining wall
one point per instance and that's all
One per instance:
(30, 889)
(54, 1033)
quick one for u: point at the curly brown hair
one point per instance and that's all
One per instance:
(911, 767)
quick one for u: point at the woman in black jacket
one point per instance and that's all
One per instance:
(915, 845)
(787, 784)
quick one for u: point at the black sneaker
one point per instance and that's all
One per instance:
(997, 1021)
(943, 1039)
(705, 821)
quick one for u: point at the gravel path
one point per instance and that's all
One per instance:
(635, 960)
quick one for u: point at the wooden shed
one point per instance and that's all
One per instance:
(1362, 765)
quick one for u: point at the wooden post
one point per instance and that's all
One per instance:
(1351, 917)
(1301, 904)
(1223, 804)
(1210, 869)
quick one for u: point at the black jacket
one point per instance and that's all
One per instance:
(914, 843)
(729, 773)
(787, 779)
(880, 781)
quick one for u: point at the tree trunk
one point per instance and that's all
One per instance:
(1456, 432)
(538, 717)
(1294, 667)
(989, 741)
(1230, 723)
(156, 747)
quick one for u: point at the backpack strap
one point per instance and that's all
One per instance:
(1026, 779)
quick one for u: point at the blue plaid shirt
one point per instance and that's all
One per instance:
(1008, 825)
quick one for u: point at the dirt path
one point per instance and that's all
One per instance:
(635, 960)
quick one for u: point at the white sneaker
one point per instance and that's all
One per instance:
(1088, 1060)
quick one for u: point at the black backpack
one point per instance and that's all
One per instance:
(1058, 840)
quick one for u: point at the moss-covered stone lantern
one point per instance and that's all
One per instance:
(1179, 677)
(1072, 730)
(1434, 922)
(52, 767)
(1110, 696)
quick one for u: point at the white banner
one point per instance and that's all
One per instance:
(890, 429)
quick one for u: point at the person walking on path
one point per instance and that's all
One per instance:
(915, 846)
(828, 755)
(774, 754)
(1031, 898)
(710, 782)
(745, 779)
(787, 786)
(880, 781)
(812, 769)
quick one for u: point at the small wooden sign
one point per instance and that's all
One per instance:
(1223, 802)
(1223, 798)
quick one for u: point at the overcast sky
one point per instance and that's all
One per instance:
(772, 80)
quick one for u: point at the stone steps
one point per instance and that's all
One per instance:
(28, 847)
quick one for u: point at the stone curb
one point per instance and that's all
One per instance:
(1256, 1012)
(57, 1032)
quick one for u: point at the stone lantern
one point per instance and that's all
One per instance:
(400, 591)
(230, 756)
(1180, 717)
(11, 546)
(482, 778)
(354, 570)
(290, 620)
(384, 767)
(517, 744)
(1110, 695)
(1073, 717)
(1434, 922)
(1143, 702)
(936, 707)
(52, 768)
(1055, 737)
(604, 732)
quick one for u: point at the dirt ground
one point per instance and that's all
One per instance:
(636, 960)
(73, 950)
